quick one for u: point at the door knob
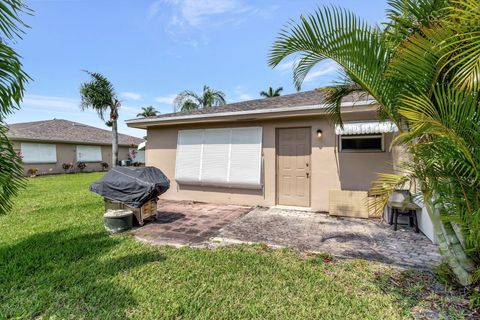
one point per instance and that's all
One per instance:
(308, 174)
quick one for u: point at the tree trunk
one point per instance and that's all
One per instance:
(114, 143)
(450, 246)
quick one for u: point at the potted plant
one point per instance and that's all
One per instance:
(67, 166)
(132, 155)
(32, 172)
(104, 166)
(81, 166)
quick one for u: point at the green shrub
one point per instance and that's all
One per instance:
(81, 165)
(67, 166)
(32, 172)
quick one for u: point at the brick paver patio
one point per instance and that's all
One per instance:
(188, 223)
(343, 237)
(202, 224)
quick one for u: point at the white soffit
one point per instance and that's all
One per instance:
(365, 127)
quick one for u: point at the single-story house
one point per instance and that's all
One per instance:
(47, 145)
(280, 151)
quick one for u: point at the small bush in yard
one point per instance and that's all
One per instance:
(81, 166)
(104, 165)
(32, 172)
(67, 166)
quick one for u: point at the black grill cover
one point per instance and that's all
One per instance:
(131, 185)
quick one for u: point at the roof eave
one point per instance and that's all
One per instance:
(13, 138)
(143, 123)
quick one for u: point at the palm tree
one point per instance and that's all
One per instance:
(98, 94)
(271, 93)
(189, 100)
(422, 69)
(149, 111)
(12, 86)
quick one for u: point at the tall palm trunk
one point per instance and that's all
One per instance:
(114, 143)
(449, 243)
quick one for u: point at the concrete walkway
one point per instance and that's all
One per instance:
(343, 237)
(182, 223)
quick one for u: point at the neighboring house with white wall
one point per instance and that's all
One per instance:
(48, 144)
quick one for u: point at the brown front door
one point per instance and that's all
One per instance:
(293, 167)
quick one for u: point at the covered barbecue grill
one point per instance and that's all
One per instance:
(134, 188)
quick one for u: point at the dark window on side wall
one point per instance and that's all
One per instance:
(361, 143)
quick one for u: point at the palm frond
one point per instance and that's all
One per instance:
(11, 25)
(187, 100)
(98, 94)
(334, 95)
(12, 87)
(11, 172)
(339, 35)
(416, 60)
(384, 185)
(452, 114)
(149, 111)
(407, 17)
(463, 56)
(13, 78)
(271, 92)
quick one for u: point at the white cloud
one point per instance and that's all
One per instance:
(286, 66)
(130, 110)
(50, 102)
(154, 8)
(195, 12)
(326, 69)
(166, 99)
(131, 95)
(241, 95)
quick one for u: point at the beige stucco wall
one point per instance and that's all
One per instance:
(66, 153)
(329, 170)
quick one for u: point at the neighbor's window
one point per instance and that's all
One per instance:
(361, 143)
(89, 153)
(39, 152)
(220, 157)
(138, 155)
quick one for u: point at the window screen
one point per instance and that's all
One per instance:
(89, 153)
(39, 152)
(220, 157)
(361, 143)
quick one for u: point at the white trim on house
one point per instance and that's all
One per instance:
(365, 127)
(244, 112)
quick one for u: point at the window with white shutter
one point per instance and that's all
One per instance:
(246, 157)
(89, 153)
(215, 158)
(39, 152)
(189, 155)
(220, 157)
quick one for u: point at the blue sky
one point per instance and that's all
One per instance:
(152, 50)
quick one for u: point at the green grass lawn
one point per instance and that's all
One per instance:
(57, 262)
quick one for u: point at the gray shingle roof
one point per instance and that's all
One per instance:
(68, 131)
(307, 98)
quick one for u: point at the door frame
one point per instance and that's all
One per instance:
(277, 130)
